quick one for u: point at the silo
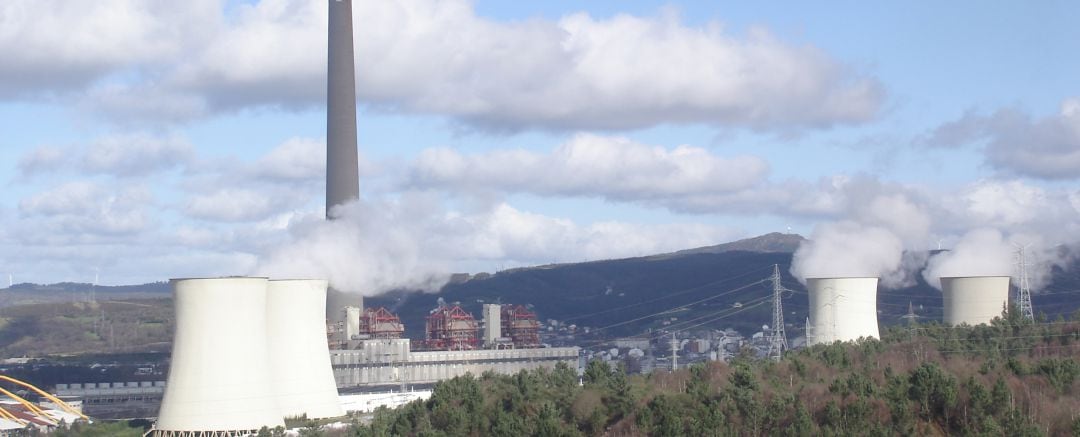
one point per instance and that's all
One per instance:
(299, 357)
(492, 324)
(842, 309)
(220, 378)
(974, 300)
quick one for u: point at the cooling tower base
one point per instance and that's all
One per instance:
(239, 433)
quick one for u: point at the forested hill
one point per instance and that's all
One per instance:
(1012, 378)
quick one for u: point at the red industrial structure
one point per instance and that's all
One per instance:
(451, 328)
(380, 323)
(521, 326)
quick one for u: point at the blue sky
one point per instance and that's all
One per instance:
(149, 140)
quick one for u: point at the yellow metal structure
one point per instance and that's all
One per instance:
(4, 414)
(30, 406)
(63, 405)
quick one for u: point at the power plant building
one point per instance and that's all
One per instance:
(974, 300)
(841, 309)
(378, 363)
(451, 349)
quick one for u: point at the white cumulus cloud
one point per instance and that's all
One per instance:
(440, 57)
(590, 165)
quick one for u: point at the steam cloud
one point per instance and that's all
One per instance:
(988, 252)
(849, 249)
(366, 250)
(414, 243)
(872, 243)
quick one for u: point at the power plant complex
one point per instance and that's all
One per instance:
(250, 352)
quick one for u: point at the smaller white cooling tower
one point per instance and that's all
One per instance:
(974, 300)
(842, 309)
(299, 356)
(219, 378)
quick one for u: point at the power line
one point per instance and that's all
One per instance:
(668, 296)
(677, 307)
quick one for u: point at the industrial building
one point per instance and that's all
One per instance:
(451, 328)
(377, 357)
(20, 416)
(384, 363)
(114, 400)
(841, 309)
(974, 300)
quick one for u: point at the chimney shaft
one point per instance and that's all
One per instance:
(342, 178)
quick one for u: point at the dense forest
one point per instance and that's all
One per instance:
(1009, 378)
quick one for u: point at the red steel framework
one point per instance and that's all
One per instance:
(451, 328)
(381, 323)
(521, 326)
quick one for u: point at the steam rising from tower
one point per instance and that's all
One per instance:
(342, 178)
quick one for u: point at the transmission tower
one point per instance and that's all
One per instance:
(910, 316)
(674, 352)
(1023, 293)
(777, 339)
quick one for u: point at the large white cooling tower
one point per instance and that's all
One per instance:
(219, 379)
(974, 300)
(842, 309)
(299, 356)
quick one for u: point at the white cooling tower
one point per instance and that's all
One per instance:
(842, 309)
(299, 357)
(974, 300)
(219, 378)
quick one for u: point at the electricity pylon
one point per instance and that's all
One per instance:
(777, 339)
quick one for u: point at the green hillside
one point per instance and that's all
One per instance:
(71, 328)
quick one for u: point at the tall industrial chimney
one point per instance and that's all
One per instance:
(342, 178)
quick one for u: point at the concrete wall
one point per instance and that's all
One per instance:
(385, 362)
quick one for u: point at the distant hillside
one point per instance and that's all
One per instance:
(82, 287)
(603, 293)
(768, 243)
(85, 327)
(623, 292)
(28, 293)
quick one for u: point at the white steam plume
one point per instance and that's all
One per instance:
(848, 249)
(873, 243)
(367, 250)
(413, 243)
(988, 252)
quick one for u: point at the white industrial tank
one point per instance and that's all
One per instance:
(219, 378)
(299, 358)
(842, 309)
(974, 300)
